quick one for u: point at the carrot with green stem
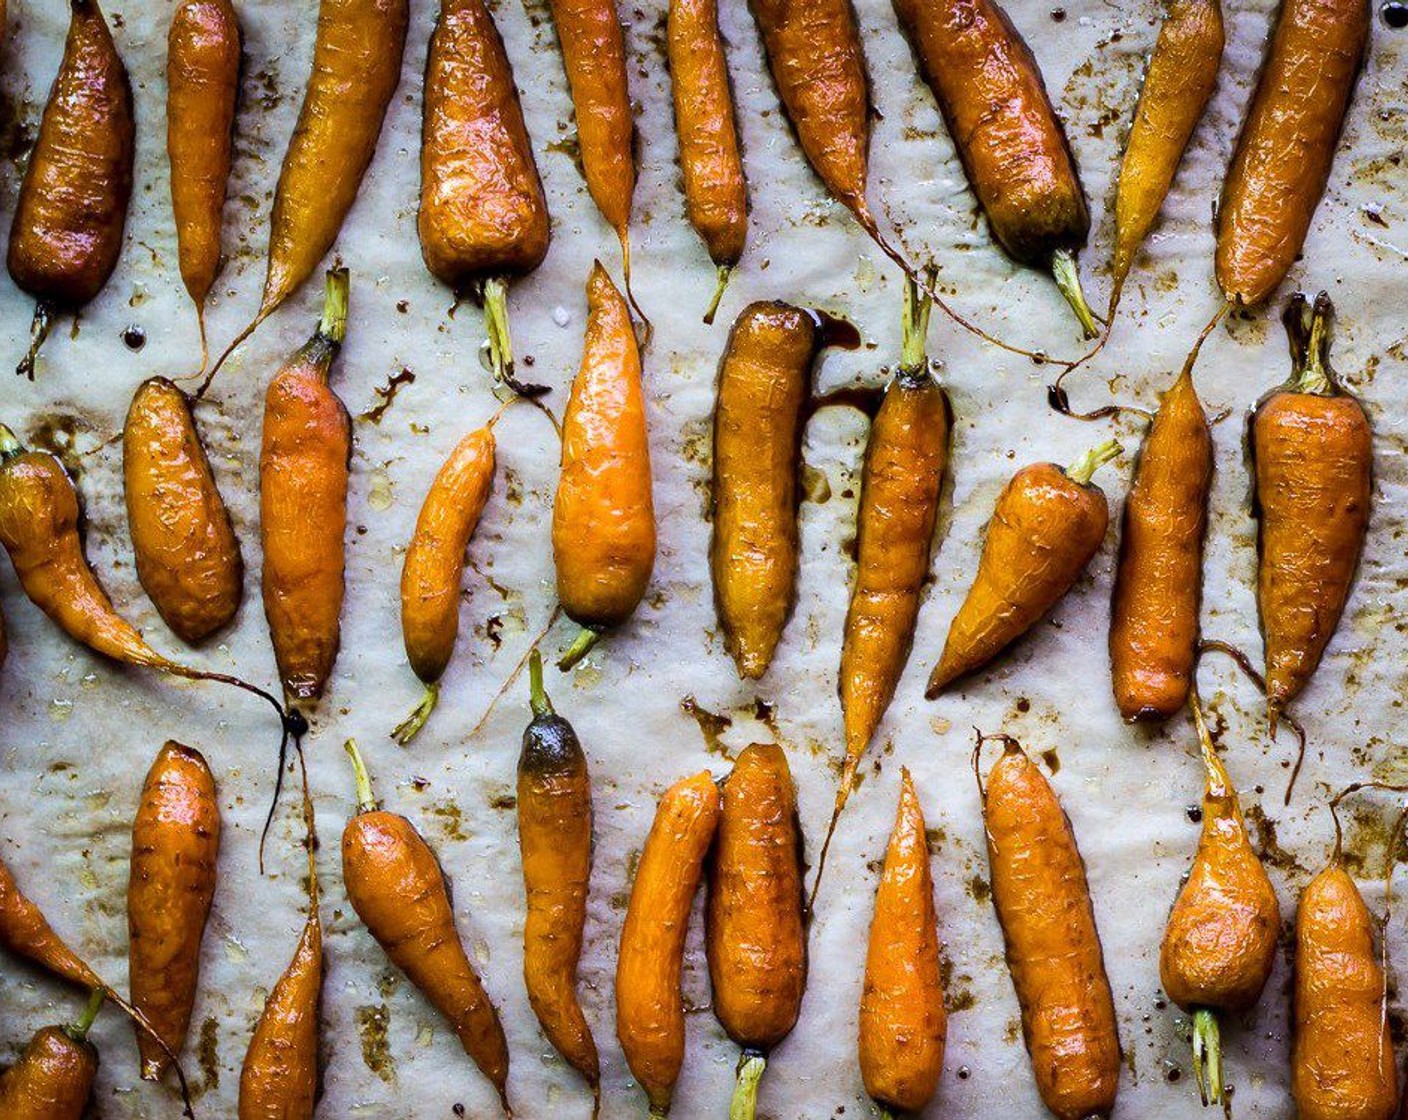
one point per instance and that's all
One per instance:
(53, 1079)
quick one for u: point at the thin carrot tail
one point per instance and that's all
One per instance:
(145, 1025)
(204, 340)
(843, 793)
(38, 332)
(235, 343)
(517, 669)
(647, 327)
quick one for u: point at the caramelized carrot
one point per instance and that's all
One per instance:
(1053, 948)
(67, 231)
(755, 938)
(555, 841)
(649, 1003)
(53, 1079)
(603, 517)
(483, 218)
(25, 932)
(1046, 527)
(1312, 457)
(188, 557)
(1220, 940)
(903, 1025)
(1287, 145)
(175, 841)
(202, 87)
(1178, 85)
(715, 187)
(398, 890)
(1158, 581)
(434, 566)
(303, 473)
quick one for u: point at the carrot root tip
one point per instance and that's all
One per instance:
(1067, 277)
(744, 1105)
(410, 727)
(1207, 1056)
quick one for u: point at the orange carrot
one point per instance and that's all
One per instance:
(53, 1079)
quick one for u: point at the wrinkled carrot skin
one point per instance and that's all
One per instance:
(303, 478)
(188, 558)
(1042, 900)
(1287, 145)
(68, 227)
(398, 890)
(1158, 580)
(1044, 531)
(53, 1079)
(715, 187)
(482, 210)
(435, 558)
(1177, 87)
(603, 517)
(175, 842)
(555, 842)
(1014, 150)
(356, 67)
(903, 1024)
(279, 1078)
(202, 88)
(906, 459)
(1342, 1063)
(25, 932)
(764, 383)
(755, 938)
(594, 56)
(649, 1003)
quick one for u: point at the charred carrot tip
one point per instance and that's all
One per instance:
(745, 1090)
(580, 647)
(38, 332)
(1067, 276)
(725, 271)
(538, 698)
(1084, 468)
(411, 726)
(366, 799)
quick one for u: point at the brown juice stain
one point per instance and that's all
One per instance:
(979, 889)
(372, 1023)
(450, 818)
(1052, 760)
(711, 726)
(209, 1055)
(386, 396)
(1268, 850)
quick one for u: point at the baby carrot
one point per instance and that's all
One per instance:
(649, 1004)
(715, 187)
(1053, 948)
(1220, 940)
(202, 86)
(1177, 87)
(1287, 145)
(555, 841)
(53, 1079)
(603, 517)
(1046, 527)
(1312, 460)
(67, 231)
(1158, 580)
(755, 938)
(25, 932)
(903, 1025)
(188, 558)
(483, 218)
(303, 473)
(175, 841)
(434, 566)
(398, 890)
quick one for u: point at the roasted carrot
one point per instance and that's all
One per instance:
(755, 938)
(175, 842)
(398, 890)
(67, 231)
(903, 1025)
(1220, 940)
(188, 557)
(25, 932)
(483, 218)
(603, 517)
(1177, 87)
(555, 841)
(1046, 527)
(303, 473)
(434, 566)
(764, 381)
(1158, 581)
(1283, 156)
(649, 1003)
(1053, 948)
(715, 188)
(1312, 461)
(202, 87)
(53, 1079)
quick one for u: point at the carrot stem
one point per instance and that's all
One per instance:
(1207, 1055)
(538, 697)
(10, 446)
(1067, 276)
(497, 329)
(580, 647)
(79, 1030)
(725, 271)
(1316, 377)
(745, 1091)
(1084, 468)
(38, 332)
(333, 325)
(410, 727)
(914, 355)
(366, 799)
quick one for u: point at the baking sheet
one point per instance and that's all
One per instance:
(77, 734)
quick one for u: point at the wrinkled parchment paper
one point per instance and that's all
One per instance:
(77, 734)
